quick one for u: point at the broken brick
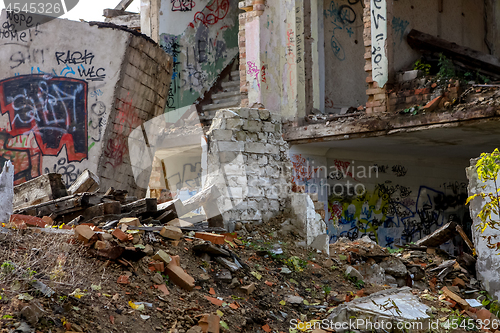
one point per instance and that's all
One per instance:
(215, 301)
(432, 105)
(120, 235)
(458, 282)
(463, 304)
(178, 276)
(85, 234)
(163, 288)
(213, 238)
(248, 289)
(100, 245)
(123, 279)
(130, 221)
(209, 323)
(18, 220)
(171, 232)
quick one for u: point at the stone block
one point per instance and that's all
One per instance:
(252, 125)
(220, 134)
(171, 232)
(163, 257)
(268, 127)
(230, 146)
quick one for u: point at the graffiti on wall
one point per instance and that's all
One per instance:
(399, 26)
(126, 121)
(380, 63)
(182, 5)
(392, 212)
(45, 114)
(189, 178)
(343, 17)
(202, 51)
(213, 13)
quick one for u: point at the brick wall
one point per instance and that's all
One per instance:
(248, 161)
(140, 96)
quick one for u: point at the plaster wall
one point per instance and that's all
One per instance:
(392, 198)
(345, 76)
(461, 22)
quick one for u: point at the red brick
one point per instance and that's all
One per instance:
(178, 276)
(171, 232)
(100, 245)
(458, 282)
(18, 220)
(214, 238)
(209, 323)
(120, 235)
(123, 279)
(85, 234)
(432, 105)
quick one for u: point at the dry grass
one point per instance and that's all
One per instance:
(49, 258)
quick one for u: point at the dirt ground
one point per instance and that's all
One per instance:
(277, 267)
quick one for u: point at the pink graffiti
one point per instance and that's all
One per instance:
(253, 70)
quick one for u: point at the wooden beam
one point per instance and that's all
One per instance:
(109, 13)
(468, 57)
(123, 4)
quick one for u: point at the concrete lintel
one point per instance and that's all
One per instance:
(372, 126)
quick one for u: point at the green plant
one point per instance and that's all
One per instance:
(413, 110)
(446, 68)
(358, 283)
(296, 263)
(165, 278)
(397, 250)
(487, 168)
(456, 321)
(421, 66)
(490, 303)
(327, 289)
(7, 267)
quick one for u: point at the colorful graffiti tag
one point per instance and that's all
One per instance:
(391, 212)
(45, 114)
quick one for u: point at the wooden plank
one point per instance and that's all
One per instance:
(465, 238)
(123, 4)
(57, 207)
(470, 58)
(39, 190)
(86, 182)
(146, 205)
(109, 13)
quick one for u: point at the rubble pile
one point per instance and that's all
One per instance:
(89, 262)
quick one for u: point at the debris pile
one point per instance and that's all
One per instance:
(89, 262)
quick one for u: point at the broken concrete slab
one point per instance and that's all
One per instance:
(394, 266)
(385, 307)
(439, 236)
